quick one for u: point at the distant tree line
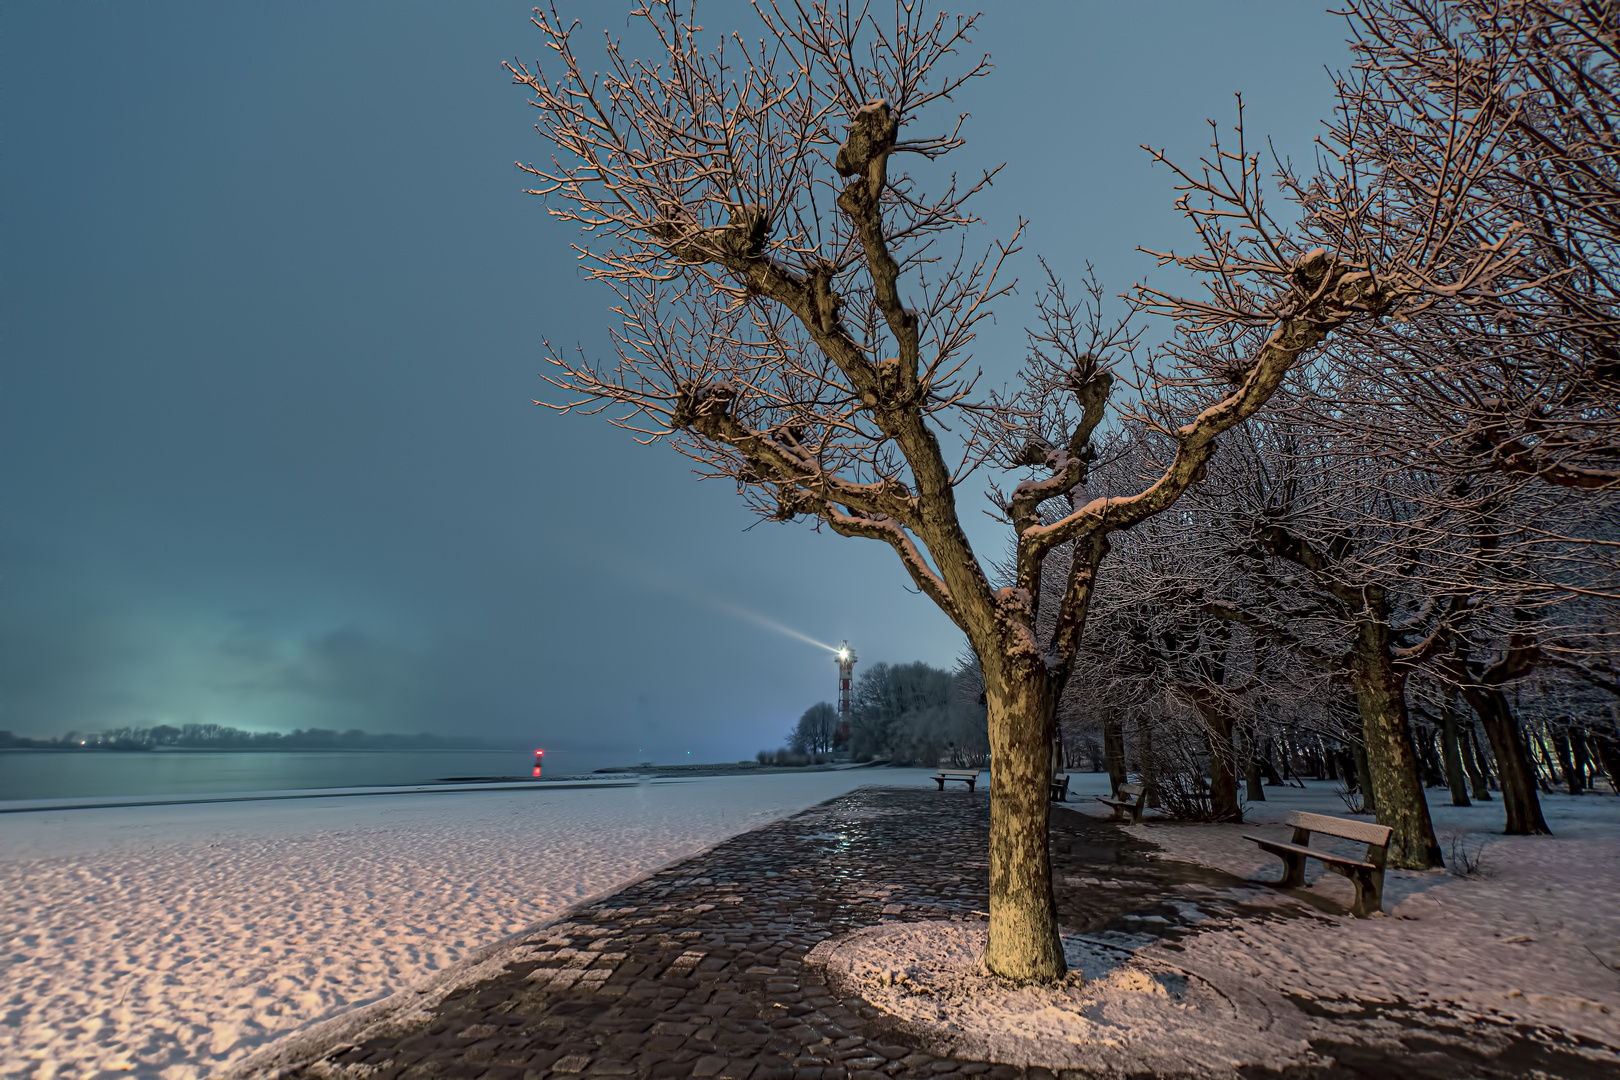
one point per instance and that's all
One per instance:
(909, 714)
(219, 737)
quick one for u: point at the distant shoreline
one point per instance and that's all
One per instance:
(602, 778)
(105, 749)
(669, 772)
(741, 767)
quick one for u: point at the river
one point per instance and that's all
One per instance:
(61, 774)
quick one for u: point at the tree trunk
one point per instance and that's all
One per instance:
(1480, 776)
(1391, 758)
(1546, 774)
(1454, 766)
(1607, 747)
(1429, 760)
(1286, 757)
(1223, 778)
(1583, 760)
(1268, 767)
(1347, 769)
(1566, 760)
(1024, 943)
(1256, 790)
(1369, 799)
(1114, 752)
(1514, 770)
(1149, 768)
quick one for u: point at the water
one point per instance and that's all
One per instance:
(52, 774)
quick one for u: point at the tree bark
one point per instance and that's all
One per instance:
(1369, 798)
(1607, 747)
(1268, 767)
(1546, 773)
(1024, 944)
(1114, 752)
(1430, 762)
(1583, 760)
(1514, 770)
(1256, 790)
(1479, 769)
(1566, 761)
(1223, 778)
(1148, 767)
(1391, 757)
(1454, 766)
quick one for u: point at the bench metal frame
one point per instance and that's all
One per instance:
(1366, 875)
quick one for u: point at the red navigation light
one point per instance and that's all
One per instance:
(538, 754)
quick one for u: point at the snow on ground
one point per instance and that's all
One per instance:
(173, 941)
(1486, 966)
(1527, 942)
(1128, 1015)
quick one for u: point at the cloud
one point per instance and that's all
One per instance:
(100, 669)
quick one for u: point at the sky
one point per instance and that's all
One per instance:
(271, 304)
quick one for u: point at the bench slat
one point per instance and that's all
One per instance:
(1130, 807)
(1363, 831)
(1277, 847)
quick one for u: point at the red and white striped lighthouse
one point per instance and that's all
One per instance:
(846, 672)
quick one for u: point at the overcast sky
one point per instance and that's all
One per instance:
(272, 302)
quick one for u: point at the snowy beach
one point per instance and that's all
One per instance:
(173, 941)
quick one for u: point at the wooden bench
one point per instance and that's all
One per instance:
(969, 777)
(1060, 787)
(1366, 874)
(1131, 803)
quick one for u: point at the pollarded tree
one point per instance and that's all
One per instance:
(1328, 547)
(788, 320)
(1150, 652)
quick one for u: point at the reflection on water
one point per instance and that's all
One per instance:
(35, 774)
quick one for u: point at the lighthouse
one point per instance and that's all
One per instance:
(846, 671)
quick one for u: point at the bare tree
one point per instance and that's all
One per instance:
(1505, 111)
(1152, 655)
(815, 731)
(1377, 573)
(1329, 548)
(791, 319)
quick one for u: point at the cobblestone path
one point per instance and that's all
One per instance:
(697, 971)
